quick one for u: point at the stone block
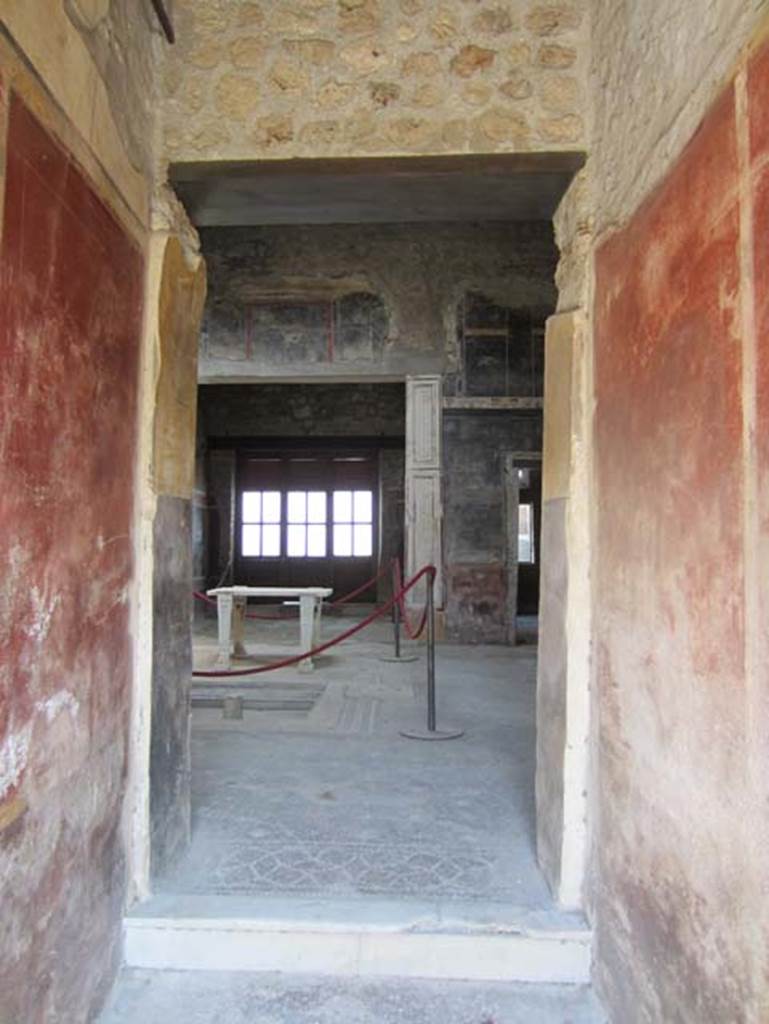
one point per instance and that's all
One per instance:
(206, 55)
(334, 94)
(319, 134)
(318, 52)
(560, 94)
(296, 21)
(472, 59)
(428, 95)
(411, 133)
(288, 76)
(236, 96)
(554, 55)
(359, 17)
(361, 129)
(553, 19)
(499, 125)
(444, 27)
(276, 129)
(407, 32)
(384, 93)
(250, 15)
(519, 54)
(477, 94)
(561, 129)
(423, 64)
(365, 58)
(247, 52)
(493, 21)
(517, 87)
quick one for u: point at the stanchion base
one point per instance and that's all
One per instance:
(432, 734)
(394, 658)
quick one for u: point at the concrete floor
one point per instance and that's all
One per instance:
(181, 997)
(333, 803)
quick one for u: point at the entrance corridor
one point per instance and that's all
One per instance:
(313, 817)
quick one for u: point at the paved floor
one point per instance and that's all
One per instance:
(176, 997)
(323, 797)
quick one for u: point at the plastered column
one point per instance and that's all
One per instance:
(424, 509)
(564, 652)
(158, 803)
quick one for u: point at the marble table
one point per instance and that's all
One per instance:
(231, 611)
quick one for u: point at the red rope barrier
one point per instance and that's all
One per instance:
(295, 659)
(412, 633)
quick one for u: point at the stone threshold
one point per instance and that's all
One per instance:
(359, 937)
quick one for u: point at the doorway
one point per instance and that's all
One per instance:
(376, 337)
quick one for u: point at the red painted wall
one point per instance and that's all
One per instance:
(70, 312)
(678, 888)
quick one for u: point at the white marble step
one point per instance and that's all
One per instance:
(358, 938)
(242, 997)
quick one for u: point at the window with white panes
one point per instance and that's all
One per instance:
(261, 524)
(306, 529)
(297, 523)
(353, 524)
(526, 534)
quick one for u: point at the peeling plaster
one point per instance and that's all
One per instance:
(13, 758)
(43, 608)
(57, 703)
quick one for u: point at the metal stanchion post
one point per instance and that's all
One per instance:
(431, 656)
(431, 733)
(397, 633)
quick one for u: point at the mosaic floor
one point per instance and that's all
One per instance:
(331, 801)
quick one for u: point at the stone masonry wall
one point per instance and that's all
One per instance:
(323, 78)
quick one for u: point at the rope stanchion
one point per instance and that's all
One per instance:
(412, 633)
(432, 732)
(428, 570)
(397, 656)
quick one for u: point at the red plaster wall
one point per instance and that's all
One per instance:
(676, 897)
(758, 90)
(70, 311)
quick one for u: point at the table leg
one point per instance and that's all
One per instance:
(224, 629)
(306, 630)
(238, 619)
(316, 613)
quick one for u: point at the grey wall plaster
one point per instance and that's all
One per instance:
(381, 299)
